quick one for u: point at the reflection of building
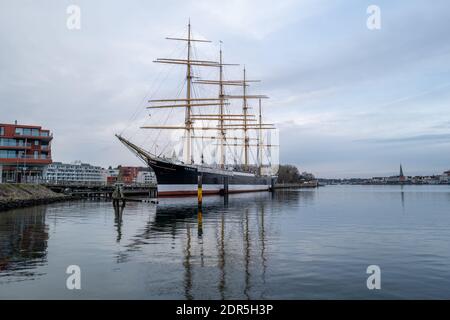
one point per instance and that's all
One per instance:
(24, 241)
(75, 172)
(24, 152)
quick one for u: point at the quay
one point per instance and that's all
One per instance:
(306, 184)
(24, 195)
(86, 190)
(18, 195)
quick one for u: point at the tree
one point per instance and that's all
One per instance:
(288, 174)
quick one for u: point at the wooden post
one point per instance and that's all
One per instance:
(272, 184)
(199, 190)
(225, 185)
(199, 222)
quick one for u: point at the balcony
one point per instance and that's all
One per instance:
(39, 137)
(33, 135)
(14, 145)
(9, 158)
(35, 157)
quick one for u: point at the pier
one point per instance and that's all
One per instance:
(307, 184)
(99, 191)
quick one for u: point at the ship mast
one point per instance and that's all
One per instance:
(189, 102)
(225, 121)
(244, 111)
(187, 118)
(221, 111)
(260, 139)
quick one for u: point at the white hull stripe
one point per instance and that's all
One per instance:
(210, 187)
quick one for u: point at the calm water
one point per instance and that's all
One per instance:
(307, 244)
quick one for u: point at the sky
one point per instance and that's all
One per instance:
(349, 101)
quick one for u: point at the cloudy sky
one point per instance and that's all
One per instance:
(349, 101)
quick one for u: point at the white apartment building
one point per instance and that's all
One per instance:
(75, 172)
(146, 177)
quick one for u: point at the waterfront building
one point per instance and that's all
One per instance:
(128, 174)
(378, 180)
(112, 175)
(401, 177)
(25, 151)
(444, 178)
(146, 177)
(76, 172)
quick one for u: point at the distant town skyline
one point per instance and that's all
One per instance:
(349, 101)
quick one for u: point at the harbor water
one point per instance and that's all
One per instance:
(292, 244)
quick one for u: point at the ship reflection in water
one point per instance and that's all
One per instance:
(287, 245)
(223, 245)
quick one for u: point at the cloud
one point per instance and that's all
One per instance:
(348, 101)
(257, 18)
(431, 138)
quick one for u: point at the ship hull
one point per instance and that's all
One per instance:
(182, 180)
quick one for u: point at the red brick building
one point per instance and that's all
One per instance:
(25, 150)
(128, 175)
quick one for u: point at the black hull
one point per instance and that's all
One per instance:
(179, 179)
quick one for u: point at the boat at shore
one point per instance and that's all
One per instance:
(224, 160)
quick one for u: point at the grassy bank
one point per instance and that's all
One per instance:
(23, 195)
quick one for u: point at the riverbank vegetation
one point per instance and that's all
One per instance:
(290, 174)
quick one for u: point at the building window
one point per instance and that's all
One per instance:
(8, 154)
(36, 142)
(2, 131)
(35, 132)
(19, 131)
(36, 155)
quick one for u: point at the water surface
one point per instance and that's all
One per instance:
(294, 244)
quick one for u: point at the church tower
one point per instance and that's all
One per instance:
(401, 177)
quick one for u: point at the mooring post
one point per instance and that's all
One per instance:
(199, 190)
(199, 222)
(272, 184)
(225, 185)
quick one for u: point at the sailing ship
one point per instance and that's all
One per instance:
(238, 134)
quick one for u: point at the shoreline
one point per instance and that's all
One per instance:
(6, 205)
(13, 196)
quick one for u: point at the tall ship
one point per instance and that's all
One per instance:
(208, 130)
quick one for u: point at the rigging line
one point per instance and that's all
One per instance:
(150, 87)
(154, 93)
(165, 122)
(146, 119)
(177, 95)
(169, 114)
(269, 156)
